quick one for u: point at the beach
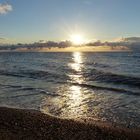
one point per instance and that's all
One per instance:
(16, 124)
(69, 70)
(73, 96)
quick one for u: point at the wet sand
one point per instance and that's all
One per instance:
(17, 124)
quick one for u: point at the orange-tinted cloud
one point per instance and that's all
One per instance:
(5, 8)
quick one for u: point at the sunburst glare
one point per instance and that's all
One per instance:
(77, 39)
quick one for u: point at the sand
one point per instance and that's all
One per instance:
(18, 124)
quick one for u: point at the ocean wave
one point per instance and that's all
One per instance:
(108, 77)
(36, 91)
(120, 90)
(96, 64)
(90, 75)
(34, 74)
(34, 94)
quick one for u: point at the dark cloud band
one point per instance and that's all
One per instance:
(124, 44)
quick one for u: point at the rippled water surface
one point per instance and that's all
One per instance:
(101, 86)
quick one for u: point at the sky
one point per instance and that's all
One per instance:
(32, 20)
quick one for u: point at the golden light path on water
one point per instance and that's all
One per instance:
(77, 62)
(72, 103)
(75, 96)
(77, 67)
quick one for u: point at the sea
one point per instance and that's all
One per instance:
(103, 86)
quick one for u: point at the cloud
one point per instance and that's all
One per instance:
(131, 39)
(131, 43)
(123, 44)
(37, 45)
(5, 8)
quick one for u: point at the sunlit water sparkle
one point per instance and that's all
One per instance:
(74, 85)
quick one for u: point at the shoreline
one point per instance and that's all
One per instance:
(16, 124)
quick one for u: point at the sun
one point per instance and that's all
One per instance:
(77, 39)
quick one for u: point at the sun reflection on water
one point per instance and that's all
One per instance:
(75, 95)
(77, 58)
(74, 101)
(77, 67)
(75, 89)
(72, 104)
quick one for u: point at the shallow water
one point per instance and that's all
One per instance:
(102, 86)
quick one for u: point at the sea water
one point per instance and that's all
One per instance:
(102, 86)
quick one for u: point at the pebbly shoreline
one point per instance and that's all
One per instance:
(21, 124)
